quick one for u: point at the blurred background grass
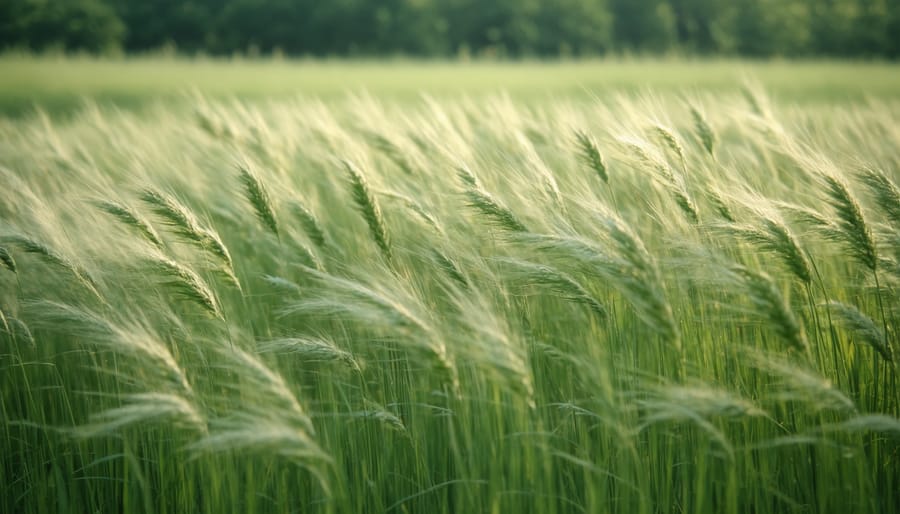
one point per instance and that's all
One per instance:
(59, 84)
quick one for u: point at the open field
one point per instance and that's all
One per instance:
(62, 83)
(678, 299)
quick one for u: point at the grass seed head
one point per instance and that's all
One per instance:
(186, 284)
(885, 192)
(311, 224)
(853, 230)
(130, 218)
(704, 131)
(863, 327)
(768, 301)
(370, 209)
(259, 198)
(590, 154)
(7, 259)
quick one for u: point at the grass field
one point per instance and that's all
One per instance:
(62, 84)
(678, 295)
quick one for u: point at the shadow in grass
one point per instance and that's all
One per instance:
(23, 105)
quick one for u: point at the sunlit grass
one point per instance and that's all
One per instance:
(679, 301)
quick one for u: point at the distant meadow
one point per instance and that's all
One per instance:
(62, 84)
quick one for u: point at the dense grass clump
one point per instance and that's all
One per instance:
(474, 305)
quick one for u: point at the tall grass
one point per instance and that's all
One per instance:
(460, 307)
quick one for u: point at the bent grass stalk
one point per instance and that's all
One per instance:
(582, 361)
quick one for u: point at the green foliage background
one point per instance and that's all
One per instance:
(505, 28)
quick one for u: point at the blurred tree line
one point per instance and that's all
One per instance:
(447, 28)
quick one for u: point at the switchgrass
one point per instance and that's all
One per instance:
(459, 307)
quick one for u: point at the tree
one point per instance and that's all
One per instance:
(644, 25)
(763, 28)
(89, 25)
(582, 27)
(189, 24)
(871, 35)
(245, 24)
(702, 26)
(504, 28)
(501, 26)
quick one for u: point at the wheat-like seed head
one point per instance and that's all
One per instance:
(379, 413)
(863, 327)
(886, 193)
(185, 225)
(467, 177)
(782, 241)
(704, 131)
(853, 230)
(492, 209)
(310, 349)
(311, 225)
(720, 204)
(559, 283)
(186, 284)
(174, 215)
(130, 218)
(767, 299)
(799, 383)
(664, 175)
(416, 207)
(772, 235)
(307, 256)
(640, 277)
(451, 268)
(392, 308)
(807, 216)
(589, 152)
(486, 204)
(142, 409)
(264, 378)
(7, 259)
(671, 140)
(259, 198)
(622, 259)
(391, 151)
(52, 257)
(368, 206)
(17, 329)
(258, 432)
(487, 338)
